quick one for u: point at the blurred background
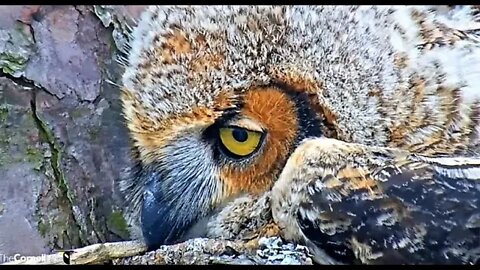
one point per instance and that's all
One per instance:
(63, 146)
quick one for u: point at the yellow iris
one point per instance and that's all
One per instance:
(240, 141)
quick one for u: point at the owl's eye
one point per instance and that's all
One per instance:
(239, 141)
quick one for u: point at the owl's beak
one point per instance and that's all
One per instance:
(161, 221)
(171, 208)
(157, 229)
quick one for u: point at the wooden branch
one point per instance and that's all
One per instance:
(92, 254)
(194, 251)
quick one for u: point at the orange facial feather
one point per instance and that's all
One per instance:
(275, 111)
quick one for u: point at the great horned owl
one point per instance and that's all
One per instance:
(352, 129)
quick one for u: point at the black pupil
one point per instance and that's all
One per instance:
(239, 134)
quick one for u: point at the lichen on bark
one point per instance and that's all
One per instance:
(70, 112)
(16, 48)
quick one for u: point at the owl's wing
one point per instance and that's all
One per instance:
(378, 206)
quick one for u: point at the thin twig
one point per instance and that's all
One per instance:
(193, 251)
(92, 254)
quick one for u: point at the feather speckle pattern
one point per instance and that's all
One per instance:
(391, 207)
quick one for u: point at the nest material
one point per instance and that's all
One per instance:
(195, 251)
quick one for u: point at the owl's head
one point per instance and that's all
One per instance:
(216, 99)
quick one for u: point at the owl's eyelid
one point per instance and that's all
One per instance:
(247, 124)
(239, 127)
